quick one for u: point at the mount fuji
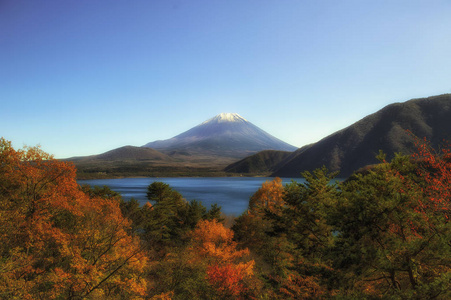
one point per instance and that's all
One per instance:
(204, 150)
(225, 135)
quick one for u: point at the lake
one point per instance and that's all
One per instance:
(231, 193)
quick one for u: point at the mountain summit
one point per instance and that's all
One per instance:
(226, 117)
(225, 135)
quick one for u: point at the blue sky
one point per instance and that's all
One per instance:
(83, 77)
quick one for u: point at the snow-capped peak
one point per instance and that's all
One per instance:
(226, 117)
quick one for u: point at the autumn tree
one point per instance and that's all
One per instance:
(305, 237)
(305, 216)
(393, 229)
(165, 222)
(209, 266)
(228, 270)
(252, 226)
(57, 241)
(269, 197)
(287, 230)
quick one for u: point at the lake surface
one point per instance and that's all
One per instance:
(231, 193)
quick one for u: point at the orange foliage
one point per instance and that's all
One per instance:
(214, 242)
(56, 240)
(227, 270)
(228, 279)
(269, 196)
(148, 205)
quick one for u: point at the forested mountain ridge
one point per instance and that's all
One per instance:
(259, 163)
(388, 130)
(126, 153)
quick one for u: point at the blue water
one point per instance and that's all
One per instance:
(231, 193)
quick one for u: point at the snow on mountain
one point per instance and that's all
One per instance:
(226, 117)
(227, 134)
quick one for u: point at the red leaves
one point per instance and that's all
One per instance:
(227, 279)
(429, 188)
(435, 173)
(226, 271)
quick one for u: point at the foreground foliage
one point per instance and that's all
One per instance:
(384, 233)
(57, 241)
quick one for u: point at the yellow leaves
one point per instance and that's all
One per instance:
(58, 277)
(136, 286)
(213, 232)
(247, 269)
(269, 196)
(227, 267)
(215, 242)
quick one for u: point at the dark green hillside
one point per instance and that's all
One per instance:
(132, 161)
(260, 163)
(357, 145)
(131, 152)
(125, 153)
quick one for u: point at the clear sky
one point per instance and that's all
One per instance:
(83, 77)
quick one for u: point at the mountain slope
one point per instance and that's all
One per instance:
(126, 153)
(261, 162)
(226, 135)
(134, 153)
(357, 145)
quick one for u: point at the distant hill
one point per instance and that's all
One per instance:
(126, 153)
(259, 163)
(225, 135)
(133, 153)
(357, 145)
